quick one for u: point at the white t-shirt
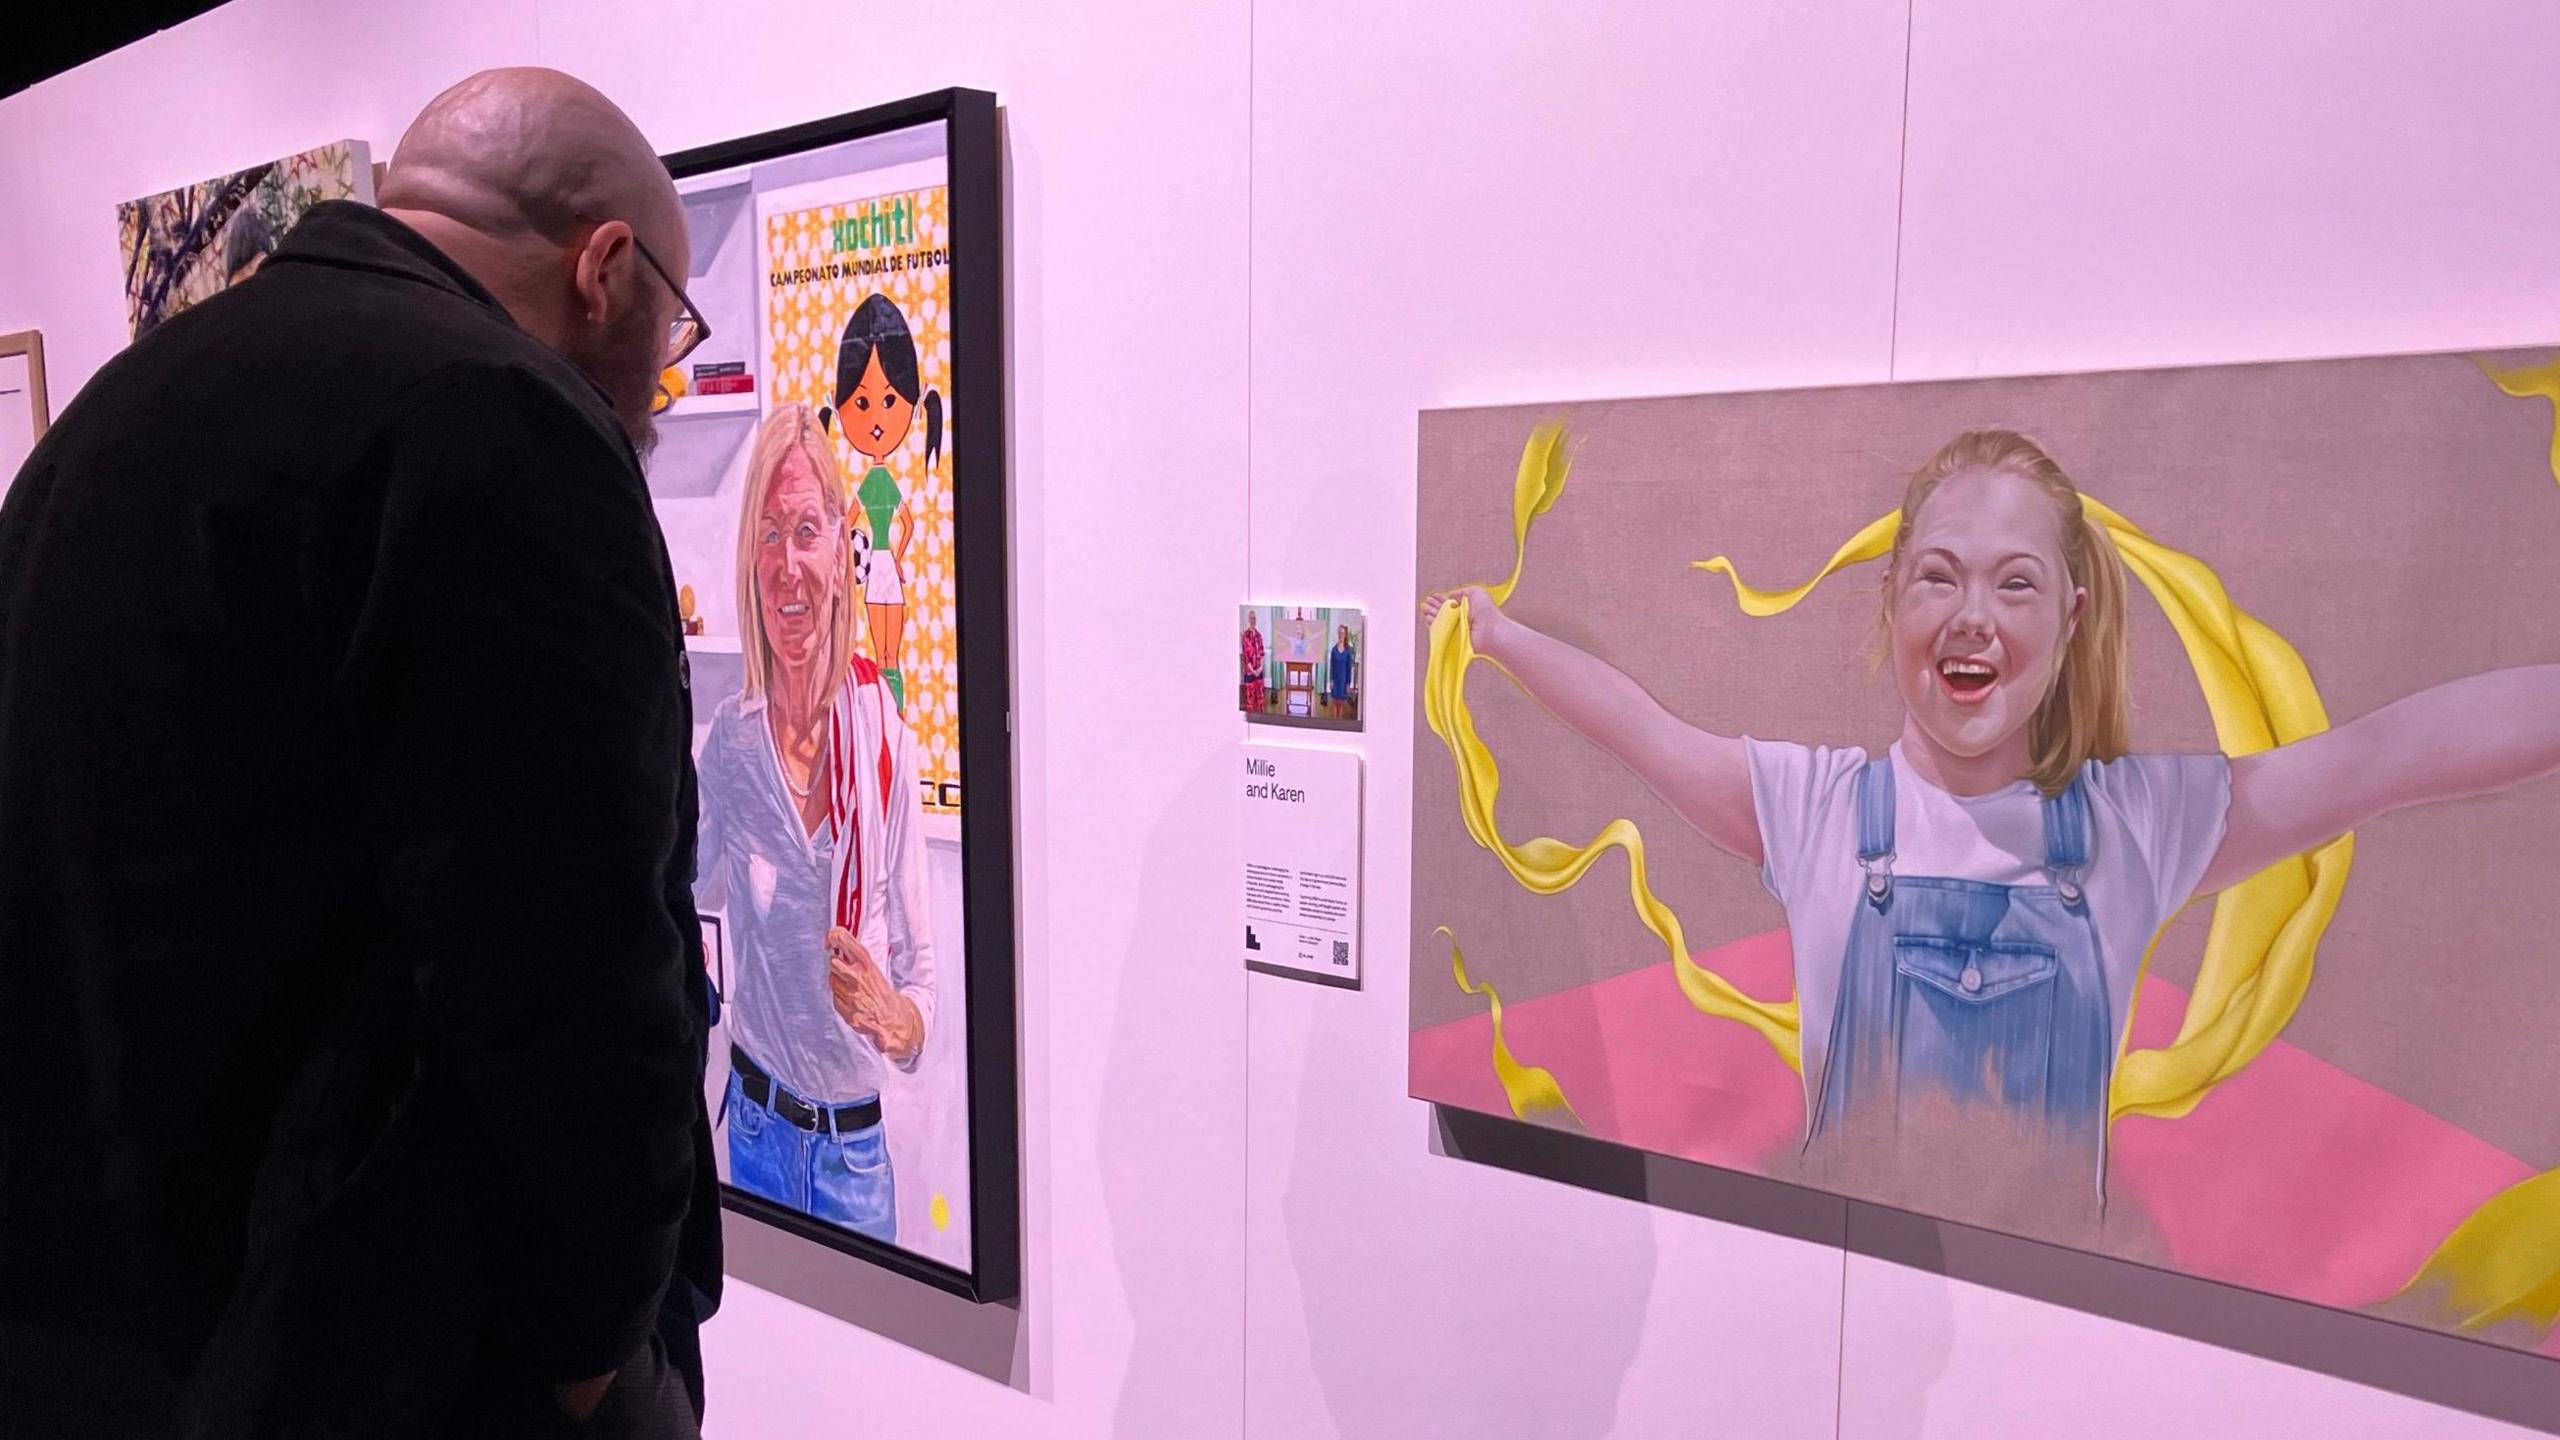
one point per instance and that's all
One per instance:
(2155, 822)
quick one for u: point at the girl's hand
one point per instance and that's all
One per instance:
(1486, 624)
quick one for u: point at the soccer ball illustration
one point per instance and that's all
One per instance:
(861, 564)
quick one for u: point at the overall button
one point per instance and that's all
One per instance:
(1971, 979)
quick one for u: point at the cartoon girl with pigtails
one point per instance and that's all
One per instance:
(1969, 910)
(876, 400)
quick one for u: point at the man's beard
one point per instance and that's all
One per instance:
(642, 431)
(623, 361)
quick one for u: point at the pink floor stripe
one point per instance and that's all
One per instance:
(2293, 1177)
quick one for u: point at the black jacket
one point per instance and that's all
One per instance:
(351, 1006)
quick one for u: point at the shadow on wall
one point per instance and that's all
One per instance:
(2425, 1365)
(1370, 1279)
(1173, 1292)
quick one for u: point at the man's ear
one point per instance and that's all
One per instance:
(607, 252)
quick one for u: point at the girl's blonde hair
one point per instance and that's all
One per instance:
(2084, 716)
(791, 427)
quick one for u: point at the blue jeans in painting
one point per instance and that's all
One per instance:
(843, 1179)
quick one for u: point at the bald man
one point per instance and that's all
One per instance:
(351, 1005)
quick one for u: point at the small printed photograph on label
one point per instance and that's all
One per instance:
(1301, 665)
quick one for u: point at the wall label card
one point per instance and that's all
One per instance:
(1302, 863)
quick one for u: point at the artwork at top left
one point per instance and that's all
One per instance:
(184, 245)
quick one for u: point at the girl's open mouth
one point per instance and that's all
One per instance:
(1966, 681)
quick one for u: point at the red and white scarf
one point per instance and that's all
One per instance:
(858, 733)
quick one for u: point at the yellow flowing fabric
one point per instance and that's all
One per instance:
(2525, 383)
(1543, 864)
(2503, 1263)
(2259, 951)
(1531, 1089)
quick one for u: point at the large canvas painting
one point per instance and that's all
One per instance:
(183, 245)
(829, 478)
(2112, 809)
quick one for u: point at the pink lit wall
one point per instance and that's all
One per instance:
(1249, 242)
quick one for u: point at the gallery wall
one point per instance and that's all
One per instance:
(1558, 202)
(1248, 243)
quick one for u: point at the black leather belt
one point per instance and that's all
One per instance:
(826, 1120)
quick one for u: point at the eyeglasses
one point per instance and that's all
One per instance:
(688, 330)
(685, 333)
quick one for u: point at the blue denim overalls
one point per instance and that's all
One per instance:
(1970, 1002)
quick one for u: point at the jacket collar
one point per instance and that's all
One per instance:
(355, 236)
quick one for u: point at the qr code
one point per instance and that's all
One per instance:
(1341, 952)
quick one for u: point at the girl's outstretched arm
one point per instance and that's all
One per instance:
(1704, 777)
(2464, 737)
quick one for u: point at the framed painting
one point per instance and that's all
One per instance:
(2102, 808)
(181, 246)
(830, 478)
(25, 412)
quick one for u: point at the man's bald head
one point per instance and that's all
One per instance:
(528, 153)
(540, 187)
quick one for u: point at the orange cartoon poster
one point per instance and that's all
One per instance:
(857, 328)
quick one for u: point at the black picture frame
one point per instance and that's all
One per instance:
(980, 573)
